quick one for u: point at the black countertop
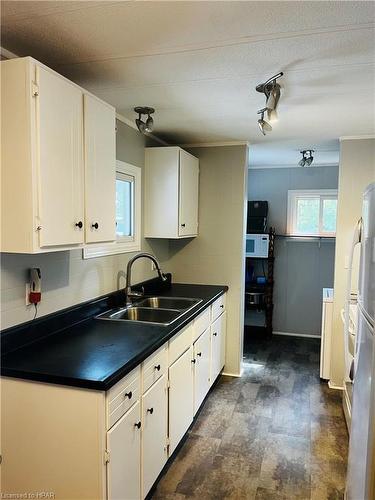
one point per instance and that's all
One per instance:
(92, 353)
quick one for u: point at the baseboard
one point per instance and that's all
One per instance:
(305, 335)
(335, 387)
(231, 374)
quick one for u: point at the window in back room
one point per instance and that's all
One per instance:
(312, 212)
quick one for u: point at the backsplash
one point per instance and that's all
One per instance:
(67, 279)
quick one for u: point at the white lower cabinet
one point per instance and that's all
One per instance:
(202, 348)
(154, 433)
(218, 330)
(124, 447)
(180, 398)
(123, 437)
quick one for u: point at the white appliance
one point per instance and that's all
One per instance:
(361, 462)
(257, 245)
(326, 333)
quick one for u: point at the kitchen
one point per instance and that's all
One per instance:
(90, 184)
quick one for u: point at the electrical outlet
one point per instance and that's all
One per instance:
(28, 303)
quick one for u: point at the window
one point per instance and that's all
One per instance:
(128, 214)
(312, 212)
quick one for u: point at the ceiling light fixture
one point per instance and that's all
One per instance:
(262, 124)
(272, 90)
(148, 125)
(307, 158)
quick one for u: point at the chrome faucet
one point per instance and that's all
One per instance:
(129, 293)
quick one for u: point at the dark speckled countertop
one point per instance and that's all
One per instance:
(92, 353)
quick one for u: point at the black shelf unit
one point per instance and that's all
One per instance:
(265, 288)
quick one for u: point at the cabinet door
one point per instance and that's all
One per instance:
(201, 368)
(100, 170)
(124, 466)
(218, 330)
(180, 398)
(188, 191)
(154, 434)
(60, 159)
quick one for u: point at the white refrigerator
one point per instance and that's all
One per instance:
(361, 462)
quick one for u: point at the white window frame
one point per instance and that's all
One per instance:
(294, 195)
(123, 244)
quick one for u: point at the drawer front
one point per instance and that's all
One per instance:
(201, 323)
(218, 307)
(180, 343)
(154, 367)
(122, 396)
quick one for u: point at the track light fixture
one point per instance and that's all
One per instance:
(262, 124)
(148, 125)
(272, 92)
(307, 158)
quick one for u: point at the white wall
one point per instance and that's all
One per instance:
(67, 279)
(216, 256)
(357, 170)
(302, 269)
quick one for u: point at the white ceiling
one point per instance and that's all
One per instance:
(198, 64)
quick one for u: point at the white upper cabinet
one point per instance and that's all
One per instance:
(50, 150)
(59, 129)
(100, 170)
(171, 193)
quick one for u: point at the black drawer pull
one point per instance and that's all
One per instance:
(79, 224)
(157, 367)
(128, 395)
(222, 306)
(199, 354)
(95, 225)
(150, 410)
(183, 225)
(215, 334)
(138, 425)
(194, 361)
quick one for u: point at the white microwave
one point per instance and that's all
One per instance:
(257, 245)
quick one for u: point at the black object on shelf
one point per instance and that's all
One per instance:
(257, 213)
(263, 290)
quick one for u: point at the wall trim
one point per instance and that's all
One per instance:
(356, 137)
(214, 144)
(7, 54)
(264, 167)
(331, 385)
(131, 124)
(292, 334)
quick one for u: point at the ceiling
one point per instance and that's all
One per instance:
(198, 64)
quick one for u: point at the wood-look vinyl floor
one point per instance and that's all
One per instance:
(277, 432)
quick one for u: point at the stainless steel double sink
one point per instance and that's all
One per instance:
(154, 310)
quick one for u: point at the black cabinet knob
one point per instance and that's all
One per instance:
(150, 410)
(157, 367)
(95, 225)
(222, 306)
(128, 395)
(199, 354)
(79, 224)
(194, 361)
(183, 225)
(215, 334)
(138, 425)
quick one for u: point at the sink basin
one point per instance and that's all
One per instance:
(142, 314)
(179, 303)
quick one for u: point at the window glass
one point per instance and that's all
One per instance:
(329, 215)
(124, 207)
(307, 215)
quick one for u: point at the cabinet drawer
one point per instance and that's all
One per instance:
(180, 343)
(218, 307)
(154, 367)
(201, 323)
(122, 396)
